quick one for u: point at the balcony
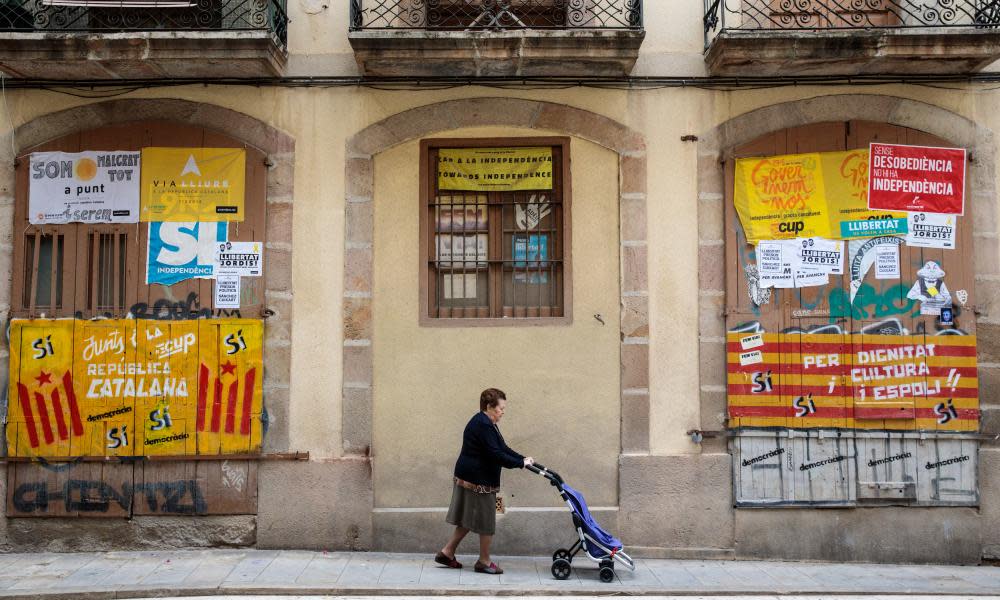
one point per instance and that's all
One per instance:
(142, 39)
(470, 38)
(850, 37)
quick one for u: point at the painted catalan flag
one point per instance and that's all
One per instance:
(135, 387)
(858, 381)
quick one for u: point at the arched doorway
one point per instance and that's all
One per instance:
(849, 122)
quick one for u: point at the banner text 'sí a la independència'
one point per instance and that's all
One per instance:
(495, 169)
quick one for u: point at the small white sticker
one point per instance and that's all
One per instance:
(239, 258)
(776, 263)
(887, 261)
(751, 358)
(931, 230)
(811, 278)
(819, 254)
(752, 341)
(227, 291)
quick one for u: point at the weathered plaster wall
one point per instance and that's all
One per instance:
(561, 381)
(394, 527)
(321, 120)
(904, 535)
(318, 44)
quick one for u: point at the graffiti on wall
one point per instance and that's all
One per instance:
(859, 380)
(89, 496)
(838, 468)
(129, 489)
(165, 309)
(134, 387)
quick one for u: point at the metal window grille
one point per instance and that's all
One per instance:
(106, 270)
(122, 3)
(811, 15)
(145, 15)
(495, 14)
(496, 254)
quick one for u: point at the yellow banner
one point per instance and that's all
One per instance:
(192, 184)
(135, 387)
(845, 175)
(803, 195)
(781, 197)
(495, 169)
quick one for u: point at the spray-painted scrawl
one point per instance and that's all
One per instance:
(930, 289)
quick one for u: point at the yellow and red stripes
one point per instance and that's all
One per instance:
(857, 381)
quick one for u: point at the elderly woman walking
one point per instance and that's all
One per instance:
(477, 481)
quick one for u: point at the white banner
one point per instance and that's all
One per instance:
(931, 230)
(83, 187)
(239, 258)
(818, 254)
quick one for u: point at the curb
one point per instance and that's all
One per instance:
(476, 591)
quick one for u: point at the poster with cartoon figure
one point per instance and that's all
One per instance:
(930, 289)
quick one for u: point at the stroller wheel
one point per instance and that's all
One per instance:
(563, 554)
(561, 569)
(607, 574)
(607, 571)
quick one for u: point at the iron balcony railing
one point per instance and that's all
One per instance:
(813, 15)
(145, 15)
(496, 14)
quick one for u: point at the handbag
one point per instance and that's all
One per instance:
(501, 506)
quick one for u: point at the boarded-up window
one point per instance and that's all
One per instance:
(100, 270)
(843, 356)
(852, 365)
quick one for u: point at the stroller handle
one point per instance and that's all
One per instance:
(552, 476)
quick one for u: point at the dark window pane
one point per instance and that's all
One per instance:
(39, 275)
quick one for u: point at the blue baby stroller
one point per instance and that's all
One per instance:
(599, 545)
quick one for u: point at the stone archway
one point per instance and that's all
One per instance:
(714, 147)
(513, 112)
(280, 150)
(718, 144)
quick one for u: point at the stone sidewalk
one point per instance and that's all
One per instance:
(244, 572)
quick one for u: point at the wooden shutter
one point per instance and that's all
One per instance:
(100, 270)
(880, 309)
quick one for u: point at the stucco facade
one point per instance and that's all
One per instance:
(609, 399)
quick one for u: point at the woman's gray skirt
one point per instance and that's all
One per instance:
(474, 511)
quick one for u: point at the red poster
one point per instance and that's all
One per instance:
(916, 179)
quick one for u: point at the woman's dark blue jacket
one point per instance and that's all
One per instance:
(484, 453)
